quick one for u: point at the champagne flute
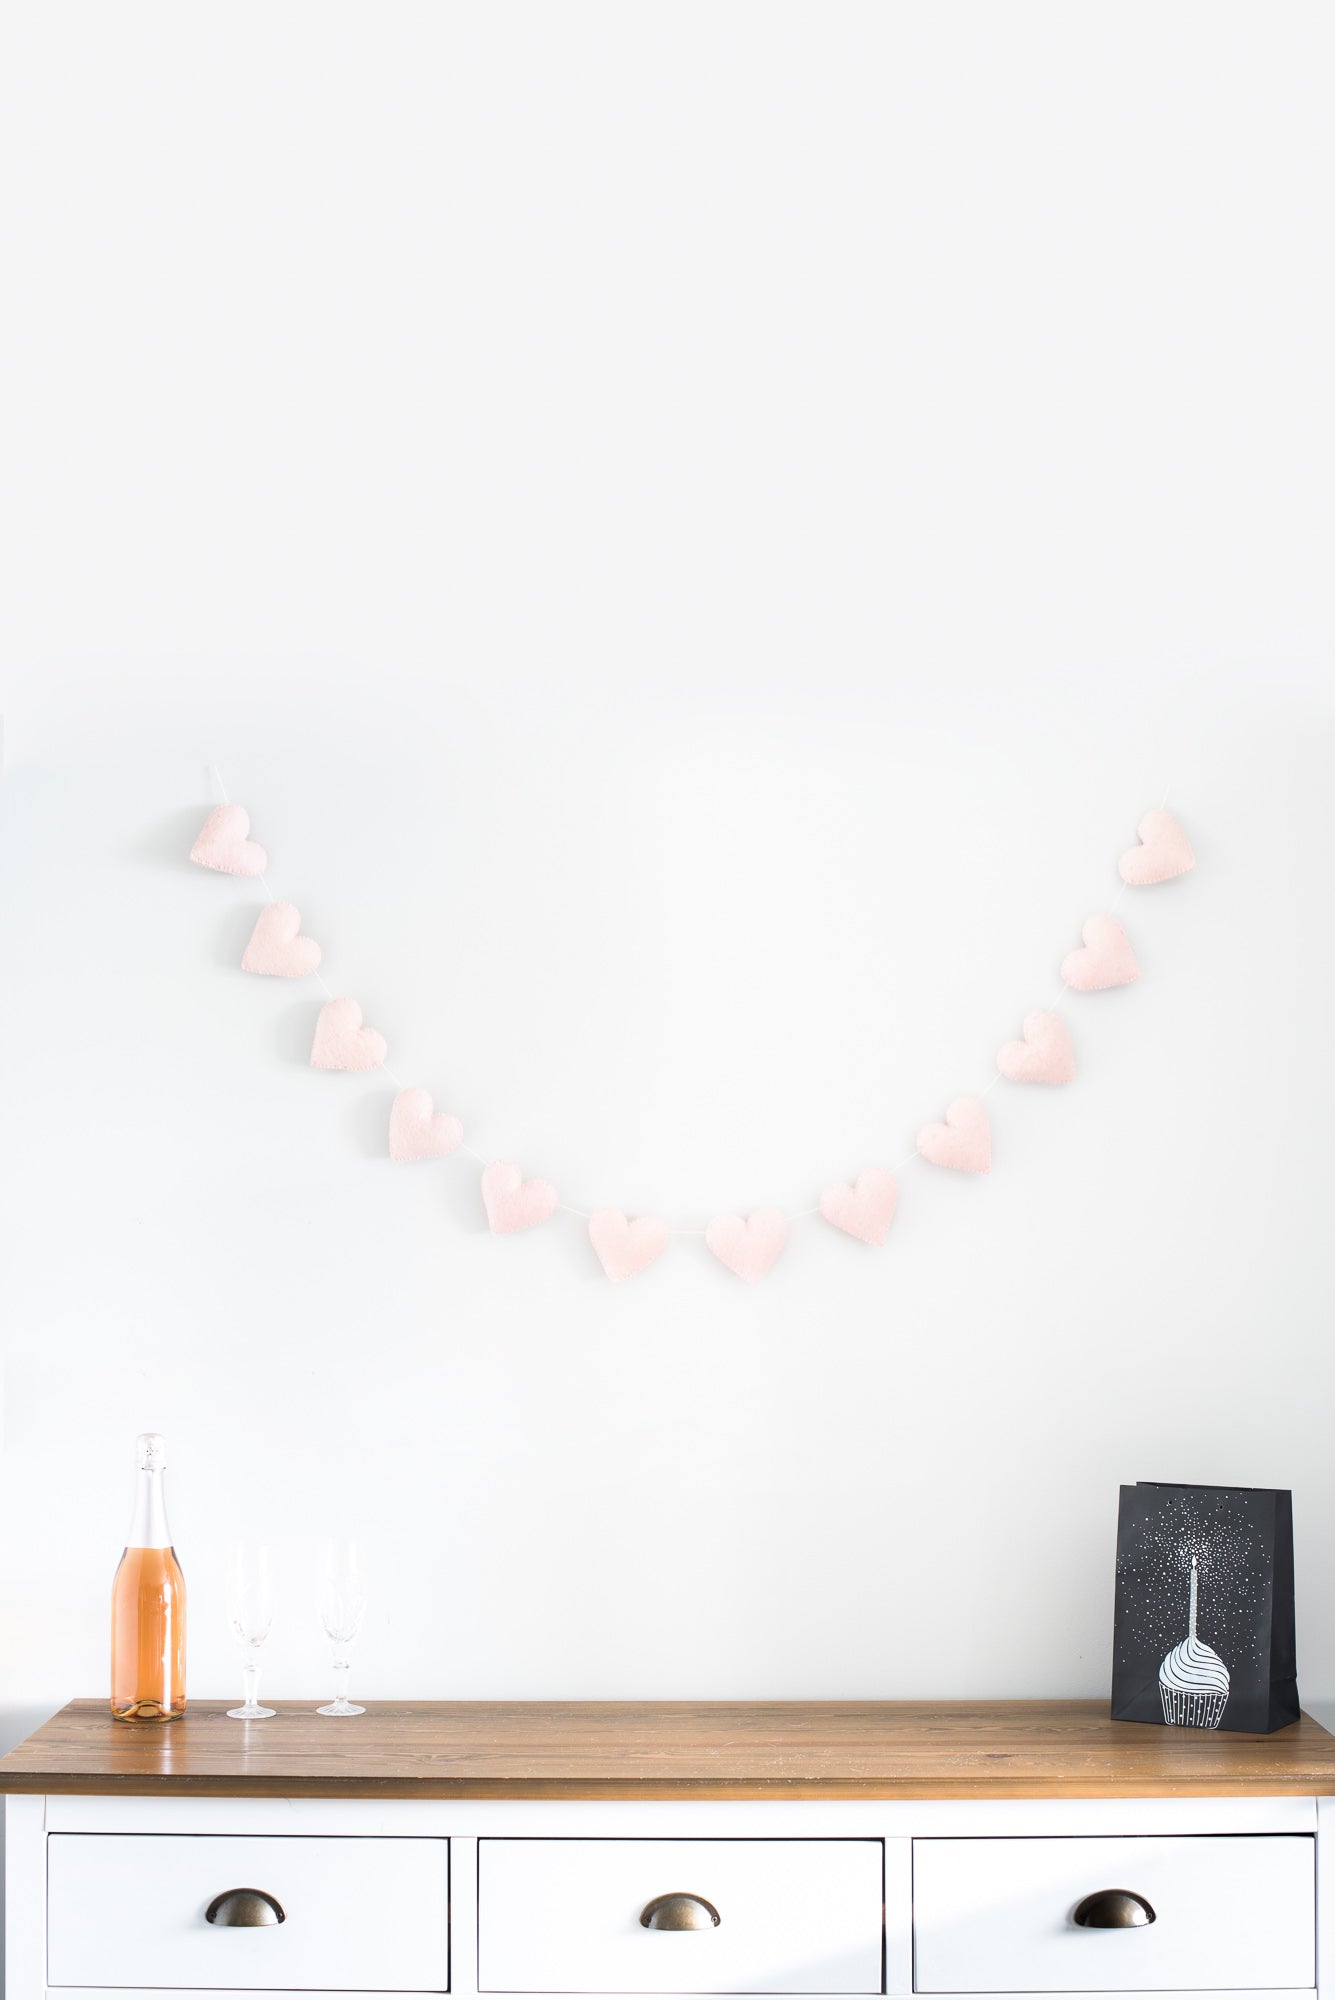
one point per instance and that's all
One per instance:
(342, 1608)
(250, 1613)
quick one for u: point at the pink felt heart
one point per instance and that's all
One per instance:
(1044, 1056)
(867, 1208)
(276, 945)
(749, 1246)
(511, 1201)
(341, 1042)
(222, 843)
(1106, 958)
(1164, 851)
(624, 1248)
(416, 1132)
(963, 1141)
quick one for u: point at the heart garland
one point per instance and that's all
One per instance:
(624, 1248)
(962, 1140)
(512, 1202)
(1164, 852)
(419, 1132)
(277, 947)
(1105, 957)
(866, 1209)
(222, 844)
(750, 1245)
(341, 1042)
(1044, 1053)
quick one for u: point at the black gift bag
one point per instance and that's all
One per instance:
(1203, 1635)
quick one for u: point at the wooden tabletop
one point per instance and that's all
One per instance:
(668, 1750)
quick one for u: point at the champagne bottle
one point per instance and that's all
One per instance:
(148, 1604)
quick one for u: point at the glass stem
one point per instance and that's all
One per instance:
(342, 1674)
(250, 1680)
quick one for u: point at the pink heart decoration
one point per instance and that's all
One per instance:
(416, 1132)
(1105, 960)
(1164, 851)
(277, 947)
(625, 1248)
(748, 1247)
(341, 1042)
(222, 843)
(867, 1208)
(963, 1141)
(1044, 1056)
(511, 1201)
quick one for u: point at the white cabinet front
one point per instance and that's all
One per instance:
(338, 1914)
(999, 1916)
(567, 1916)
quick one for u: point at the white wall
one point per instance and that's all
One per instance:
(696, 533)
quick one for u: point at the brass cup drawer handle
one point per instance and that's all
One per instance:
(679, 1912)
(252, 1907)
(1112, 1910)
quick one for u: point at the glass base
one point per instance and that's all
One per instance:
(251, 1712)
(340, 1708)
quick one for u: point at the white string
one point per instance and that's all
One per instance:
(568, 1208)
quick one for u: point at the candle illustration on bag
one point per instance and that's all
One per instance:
(1193, 1680)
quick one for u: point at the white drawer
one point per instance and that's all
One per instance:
(360, 1915)
(995, 1916)
(563, 1916)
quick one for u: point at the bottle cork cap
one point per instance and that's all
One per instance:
(150, 1450)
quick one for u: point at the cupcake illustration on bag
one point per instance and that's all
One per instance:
(1193, 1680)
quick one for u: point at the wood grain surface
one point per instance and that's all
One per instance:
(667, 1750)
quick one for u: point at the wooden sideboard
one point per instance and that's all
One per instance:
(702, 1848)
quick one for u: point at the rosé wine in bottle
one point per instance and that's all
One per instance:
(148, 1604)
